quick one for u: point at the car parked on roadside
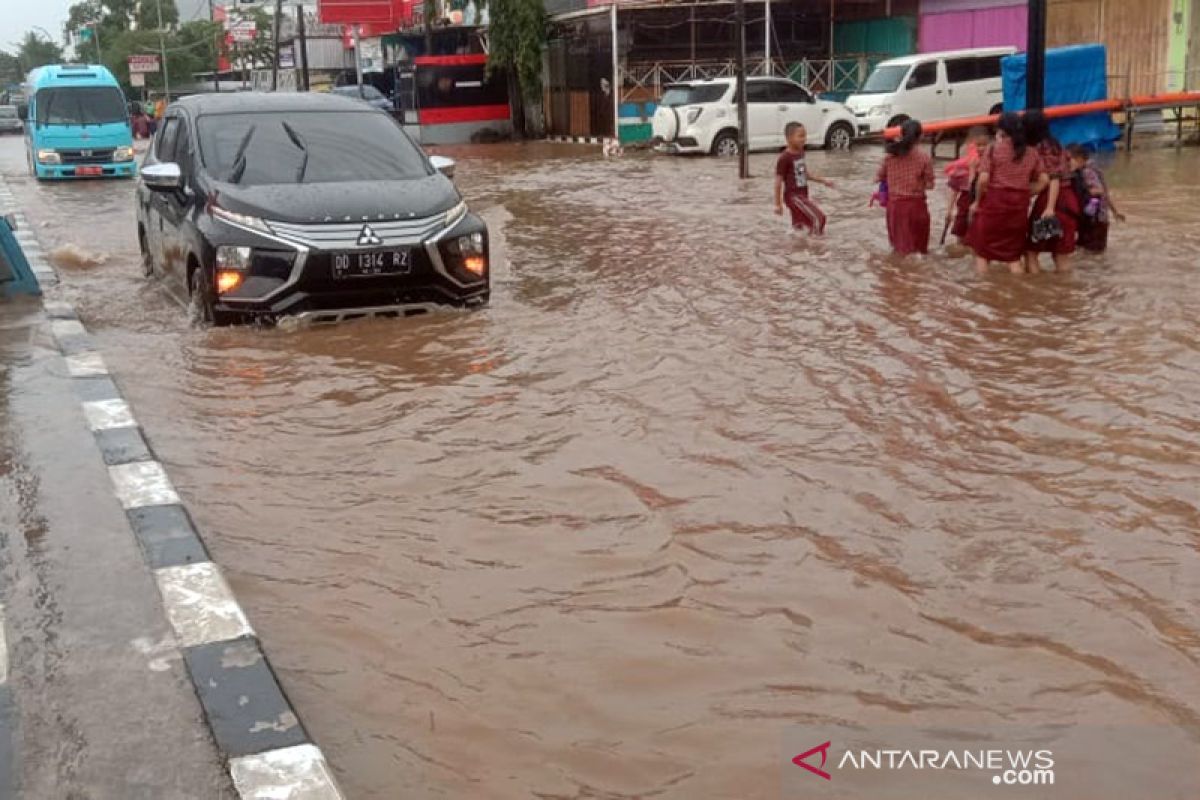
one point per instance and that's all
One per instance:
(367, 94)
(930, 86)
(702, 117)
(10, 122)
(263, 205)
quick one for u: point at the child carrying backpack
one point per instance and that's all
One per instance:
(1094, 200)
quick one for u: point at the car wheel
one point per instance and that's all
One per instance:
(726, 144)
(839, 136)
(147, 259)
(200, 299)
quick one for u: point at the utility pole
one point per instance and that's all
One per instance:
(739, 7)
(162, 50)
(357, 61)
(275, 47)
(216, 65)
(303, 47)
(1035, 56)
(96, 36)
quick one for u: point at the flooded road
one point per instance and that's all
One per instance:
(689, 480)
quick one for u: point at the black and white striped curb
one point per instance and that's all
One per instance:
(268, 752)
(598, 140)
(45, 273)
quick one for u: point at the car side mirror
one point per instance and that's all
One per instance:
(443, 165)
(163, 177)
(23, 112)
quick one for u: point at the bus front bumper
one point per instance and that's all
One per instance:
(123, 169)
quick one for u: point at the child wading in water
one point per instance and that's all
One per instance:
(961, 175)
(908, 171)
(1010, 174)
(1056, 200)
(792, 177)
(1088, 183)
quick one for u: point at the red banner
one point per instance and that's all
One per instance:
(360, 12)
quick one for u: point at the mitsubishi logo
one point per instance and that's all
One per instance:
(367, 236)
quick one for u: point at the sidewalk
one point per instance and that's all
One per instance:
(100, 704)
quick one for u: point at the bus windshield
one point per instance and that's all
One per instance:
(79, 105)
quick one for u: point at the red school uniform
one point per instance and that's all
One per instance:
(908, 178)
(794, 172)
(1001, 225)
(1057, 165)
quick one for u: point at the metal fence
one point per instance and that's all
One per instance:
(840, 75)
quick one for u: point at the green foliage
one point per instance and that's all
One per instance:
(10, 69)
(37, 51)
(516, 39)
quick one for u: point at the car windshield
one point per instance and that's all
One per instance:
(884, 79)
(7, 112)
(369, 92)
(80, 105)
(308, 147)
(693, 95)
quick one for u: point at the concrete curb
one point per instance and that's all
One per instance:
(268, 752)
(596, 140)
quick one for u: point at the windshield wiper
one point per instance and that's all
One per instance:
(299, 142)
(239, 158)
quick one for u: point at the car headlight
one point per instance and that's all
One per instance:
(694, 114)
(233, 258)
(882, 110)
(48, 157)
(123, 154)
(240, 220)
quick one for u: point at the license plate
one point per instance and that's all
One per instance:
(89, 170)
(375, 262)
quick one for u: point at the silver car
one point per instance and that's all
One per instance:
(9, 121)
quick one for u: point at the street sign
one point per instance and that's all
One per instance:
(243, 30)
(143, 63)
(137, 79)
(287, 57)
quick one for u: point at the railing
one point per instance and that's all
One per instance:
(841, 75)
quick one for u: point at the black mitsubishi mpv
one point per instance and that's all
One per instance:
(317, 206)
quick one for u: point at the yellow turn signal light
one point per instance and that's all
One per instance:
(228, 280)
(476, 264)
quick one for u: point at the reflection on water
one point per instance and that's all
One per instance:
(692, 479)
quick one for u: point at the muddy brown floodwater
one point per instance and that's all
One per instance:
(690, 480)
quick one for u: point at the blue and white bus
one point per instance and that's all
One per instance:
(76, 123)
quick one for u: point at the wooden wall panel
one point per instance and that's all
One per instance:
(1072, 22)
(1136, 33)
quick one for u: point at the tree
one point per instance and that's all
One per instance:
(10, 69)
(34, 51)
(516, 40)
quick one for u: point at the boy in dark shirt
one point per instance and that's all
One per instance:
(792, 177)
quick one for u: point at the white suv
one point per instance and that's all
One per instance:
(701, 116)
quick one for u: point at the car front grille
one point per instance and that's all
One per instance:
(86, 156)
(346, 235)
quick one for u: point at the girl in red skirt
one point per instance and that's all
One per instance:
(1056, 200)
(1010, 173)
(961, 176)
(908, 171)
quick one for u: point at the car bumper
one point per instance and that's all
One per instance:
(124, 169)
(681, 145)
(435, 278)
(870, 125)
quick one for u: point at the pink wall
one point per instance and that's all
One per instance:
(985, 27)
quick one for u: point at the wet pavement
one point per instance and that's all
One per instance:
(97, 702)
(690, 480)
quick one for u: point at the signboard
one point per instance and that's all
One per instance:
(243, 30)
(359, 12)
(371, 55)
(143, 63)
(137, 79)
(287, 57)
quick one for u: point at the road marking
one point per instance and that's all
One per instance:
(142, 483)
(86, 365)
(297, 773)
(104, 415)
(200, 605)
(67, 327)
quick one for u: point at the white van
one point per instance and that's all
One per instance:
(930, 86)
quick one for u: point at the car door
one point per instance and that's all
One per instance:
(763, 116)
(923, 97)
(162, 151)
(795, 104)
(178, 204)
(166, 205)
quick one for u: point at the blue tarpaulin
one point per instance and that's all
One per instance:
(1076, 74)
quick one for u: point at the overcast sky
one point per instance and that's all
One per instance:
(21, 15)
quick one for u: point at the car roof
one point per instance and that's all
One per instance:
(730, 81)
(55, 75)
(250, 102)
(919, 57)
